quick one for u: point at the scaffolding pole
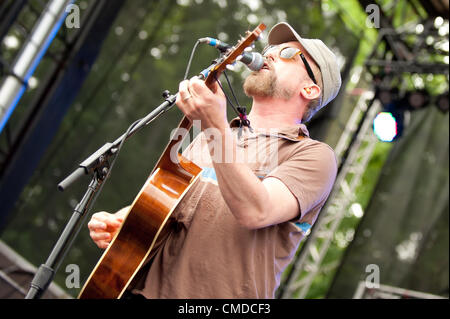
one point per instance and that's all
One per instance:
(309, 262)
(14, 85)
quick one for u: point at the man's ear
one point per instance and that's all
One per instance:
(310, 92)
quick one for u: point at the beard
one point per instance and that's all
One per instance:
(265, 84)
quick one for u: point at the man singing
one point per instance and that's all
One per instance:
(240, 224)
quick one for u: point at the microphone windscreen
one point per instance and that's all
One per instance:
(253, 60)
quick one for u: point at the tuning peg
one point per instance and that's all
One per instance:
(260, 37)
(231, 67)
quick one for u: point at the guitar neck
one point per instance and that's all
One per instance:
(171, 159)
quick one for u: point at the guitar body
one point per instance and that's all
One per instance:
(141, 228)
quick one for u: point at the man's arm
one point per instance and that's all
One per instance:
(255, 204)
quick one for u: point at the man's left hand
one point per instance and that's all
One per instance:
(199, 102)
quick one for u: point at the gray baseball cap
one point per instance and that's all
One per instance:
(317, 50)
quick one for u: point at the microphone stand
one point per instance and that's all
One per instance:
(98, 165)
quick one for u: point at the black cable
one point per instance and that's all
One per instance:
(99, 190)
(241, 111)
(226, 96)
(231, 88)
(190, 60)
(119, 148)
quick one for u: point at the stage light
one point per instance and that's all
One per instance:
(387, 96)
(415, 100)
(388, 124)
(442, 102)
(385, 127)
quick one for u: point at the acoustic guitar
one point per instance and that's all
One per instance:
(148, 215)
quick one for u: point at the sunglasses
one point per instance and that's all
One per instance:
(288, 53)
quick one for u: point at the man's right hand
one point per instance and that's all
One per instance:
(103, 226)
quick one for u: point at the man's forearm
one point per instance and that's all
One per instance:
(243, 192)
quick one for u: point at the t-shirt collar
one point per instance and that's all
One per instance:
(290, 132)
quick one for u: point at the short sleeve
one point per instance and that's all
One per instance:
(309, 173)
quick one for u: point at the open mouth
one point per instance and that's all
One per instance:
(265, 66)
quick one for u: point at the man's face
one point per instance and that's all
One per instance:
(278, 78)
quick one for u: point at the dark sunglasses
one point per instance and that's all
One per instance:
(288, 53)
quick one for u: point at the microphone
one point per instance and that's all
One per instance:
(221, 46)
(253, 60)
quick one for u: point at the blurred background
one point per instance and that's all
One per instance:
(75, 74)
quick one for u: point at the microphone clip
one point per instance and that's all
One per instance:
(244, 121)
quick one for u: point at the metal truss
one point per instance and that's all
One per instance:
(390, 292)
(354, 150)
(393, 53)
(410, 47)
(408, 58)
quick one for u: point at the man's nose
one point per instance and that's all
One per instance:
(269, 56)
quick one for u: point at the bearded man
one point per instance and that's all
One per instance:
(240, 225)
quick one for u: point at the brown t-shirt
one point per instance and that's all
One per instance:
(208, 254)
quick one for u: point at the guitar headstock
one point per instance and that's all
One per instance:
(233, 53)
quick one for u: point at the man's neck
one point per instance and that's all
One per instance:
(274, 113)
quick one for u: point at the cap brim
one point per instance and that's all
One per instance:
(283, 32)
